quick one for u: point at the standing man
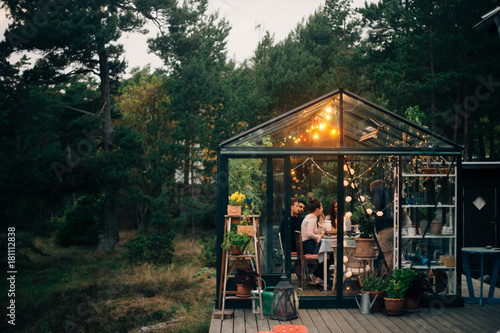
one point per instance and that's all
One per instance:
(384, 224)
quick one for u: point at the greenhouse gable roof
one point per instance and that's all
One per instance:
(340, 120)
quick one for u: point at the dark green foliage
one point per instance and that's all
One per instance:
(419, 286)
(155, 248)
(209, 251)
(81, 224)
(246, 276)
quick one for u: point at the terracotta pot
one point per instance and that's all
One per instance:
(242, 291)
(248, 229)
(411, 305)
(378, 305)
(436, 227)
(235, 250)
(233, 210)
(394, 306)
(364, 248)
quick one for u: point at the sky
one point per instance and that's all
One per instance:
(279, 17)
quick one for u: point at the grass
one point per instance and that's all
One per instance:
(74, 290)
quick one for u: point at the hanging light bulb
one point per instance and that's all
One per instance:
(327, 117)
(345, 167)
(369, 211)
(361, 198)
(351, 171)
(346, 182)
(293, 172)
(353, 185)
(348, 198)
(328, 109)
(315, 135)
(380, 213)
(348, 214)
(322, 126)
(348, 274)
(346, 260)
(334, 131)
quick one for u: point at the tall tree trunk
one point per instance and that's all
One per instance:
(110, 237)
(433, 93)
(193, 232)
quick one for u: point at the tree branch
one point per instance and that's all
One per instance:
(67, 107)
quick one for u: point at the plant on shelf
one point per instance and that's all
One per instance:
(245, 278)
(420, 285)
(365, 241)
(375, 283)
(236, 201)
(399, 282)
(236, 242)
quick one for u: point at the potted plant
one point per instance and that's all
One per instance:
(236, 201)
(418, 287)
(235, 242)
(365, 242)
(245, 226)
(399, 282)
(245, 279)
(376, 284)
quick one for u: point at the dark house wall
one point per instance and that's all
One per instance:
(481, 204)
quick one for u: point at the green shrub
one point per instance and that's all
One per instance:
(81, 223)
(156, 248)
(209, 251)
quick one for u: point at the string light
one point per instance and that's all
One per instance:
(348, 198)
(348, 214)
(346, 183)
(380, 213)
(369, 211)
(361, 198)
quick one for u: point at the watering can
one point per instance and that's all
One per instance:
(365, 306)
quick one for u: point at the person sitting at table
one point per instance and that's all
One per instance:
(333, 217)
(312, 235)
(295, 223)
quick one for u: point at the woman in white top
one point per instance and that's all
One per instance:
(333, 217)
(311, 235)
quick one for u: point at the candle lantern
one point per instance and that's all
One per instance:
(284, 307)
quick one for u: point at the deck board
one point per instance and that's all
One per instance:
(470, 318)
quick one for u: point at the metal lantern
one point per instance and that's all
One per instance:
(283, 306)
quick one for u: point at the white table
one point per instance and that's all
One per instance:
(328, 244)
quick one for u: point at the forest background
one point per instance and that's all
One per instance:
(107, 179)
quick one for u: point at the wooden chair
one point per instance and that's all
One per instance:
(303, 260)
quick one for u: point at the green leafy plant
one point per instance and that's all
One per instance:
(374, 281)
(419, 286)
(156, 248)
(399, 282)
(246, 276)
(235, 239)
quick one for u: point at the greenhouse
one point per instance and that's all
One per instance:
(339, 147)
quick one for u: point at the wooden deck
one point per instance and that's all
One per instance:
(470, 318)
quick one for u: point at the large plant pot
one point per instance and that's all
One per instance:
(248, 229)
(242, 291)
(364, 248)
(378, 305)
(233, 210)
(394, 306)
(411, 305)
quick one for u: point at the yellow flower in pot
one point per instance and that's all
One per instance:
(236, 200)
